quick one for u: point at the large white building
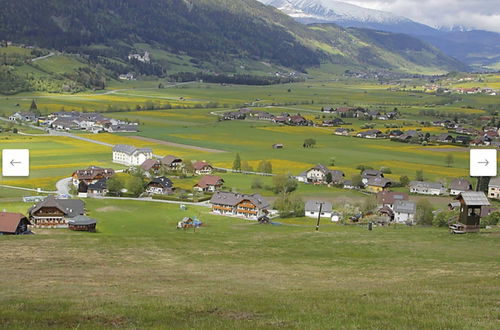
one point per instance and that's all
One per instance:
(130, 155)
(312, 209)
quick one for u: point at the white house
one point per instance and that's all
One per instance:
(494, 188)
(318, 174)
(404, 211)
(312, 209)
(130, 155)
(459, 186)
(427, 188)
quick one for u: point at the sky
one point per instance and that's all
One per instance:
(478, 14)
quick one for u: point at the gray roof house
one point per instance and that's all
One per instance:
(459, 185)
(427, 188)
(404, 211)
(249, 206)
(130, 155)
(312, 209)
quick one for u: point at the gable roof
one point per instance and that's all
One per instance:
(390, 197)
(100, 185)
(371, 173)
(209, 180)
(378, 182)
(149, 164)
(130, 150)
(460, 184)
(474, 198)
(494, 182)
(233, 199)
(92, 172)
(70, 207)
(170, 159)
(10, 221)
(426, 185)
(201, 165)
(162, 181)
(313, 206)
(408, 207)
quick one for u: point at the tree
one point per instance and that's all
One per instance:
(369, 204)
(449, 160)
(357, 180)
(114, 185)
(135, 186)
(332, 161)
(245, 166)
(385, 170)
(309, 143)
(424, 215)
(445, 218)
(257, 184)
(329, 178)
(362, 168)
(265, 166)
(404, 180)
(289, 205)
(419, 175)
(33, 106)
(237, 163)
(189, 167)
(284, 184)
(491, 220)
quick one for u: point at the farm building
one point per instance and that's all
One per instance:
(201, 168)
(130, 155)
(171, 162)
(82, 223)
(209, 183)
(370, 134)
(378, 184)
(342, 131)
(13, 224)
(458, 186)
(471, 205)
(55, 213)
(91, 175)
(319, 173)
(98, 188)
(404, 211)
(239, 205)
(427, 188)
(494, 188)
(388, 198)
(151, 165)
(370, 174)
(160, 186)
(312, 209)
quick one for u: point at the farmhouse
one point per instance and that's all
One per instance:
(297, 120)
(333, 122)
(98, 188)
(370, 134)
(151, 165)
(388, 198)
(404, 211)
(370, 174)
(458, 186)
(209, 183)
(91, 175)
(130, 155)
(342, 131)
(160, 186)
(239, 205)
(312, 209)
(378, 184)
(171, 162)
(13, 224)
(427, 188)
(23, 116)
(494, 188)
(201, 168)
(318, 175)
(471, 205)
(55, 213)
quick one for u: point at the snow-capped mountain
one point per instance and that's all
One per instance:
(347, 15)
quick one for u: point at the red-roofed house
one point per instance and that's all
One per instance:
(201, 168)
(209, 183)
(13, 224)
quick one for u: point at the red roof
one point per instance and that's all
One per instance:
(201, 165)
(10, 221)
(209, 180)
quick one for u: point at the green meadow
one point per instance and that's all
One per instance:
(139, 271)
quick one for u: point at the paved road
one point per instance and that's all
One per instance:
(26, 189)
(149, 199)
(63, 187)
(42, 57)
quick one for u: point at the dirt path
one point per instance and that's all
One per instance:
(179, 145)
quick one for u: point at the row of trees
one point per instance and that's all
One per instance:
(264, 166)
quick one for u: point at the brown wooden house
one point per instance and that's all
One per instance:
(55, 213)
(471, 204)
(13, 224)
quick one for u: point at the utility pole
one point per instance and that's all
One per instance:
(319, 214)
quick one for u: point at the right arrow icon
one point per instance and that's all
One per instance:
(486, 162)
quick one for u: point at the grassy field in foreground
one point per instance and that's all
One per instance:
(139, 271)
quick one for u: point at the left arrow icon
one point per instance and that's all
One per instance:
(13, 162)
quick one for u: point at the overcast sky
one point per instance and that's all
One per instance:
(480, 14)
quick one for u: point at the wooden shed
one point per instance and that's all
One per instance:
(471, 203)
(82, 223)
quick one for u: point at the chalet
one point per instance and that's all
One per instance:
(201, 168)
(130, 155)
(239, 205)
(234, 115)
(369, 174)
(378, 184)
(64, 125)
(209, 183)
(463, 139)
(471, 205)
(13, 224)
(82, 223)
(342, 131)
(23, 116)
(297, 120)
(327, 109)
(370, 134)
(312, 209)
(55, 213)
(172, 162)
(318, 175)
(98, 188)
(444, 138)
(333, 122)
(343, 110)
(151, 165)
(494, 188)
(404, 211)
(388, 198)
(458, 186)
(427, 188)
(91, 175)
(160, 186)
